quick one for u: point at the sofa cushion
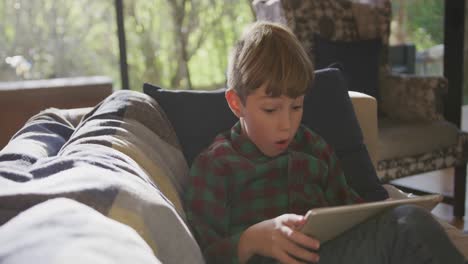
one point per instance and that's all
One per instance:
(359, 60)
(328, 111)
(198, 116)
(398, 138)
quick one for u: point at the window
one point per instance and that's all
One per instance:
(44, 39)
(172, 43)
(182, 44)
(419, 25)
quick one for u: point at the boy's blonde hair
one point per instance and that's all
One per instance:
(269, 54)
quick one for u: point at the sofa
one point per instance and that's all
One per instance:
(104, 184)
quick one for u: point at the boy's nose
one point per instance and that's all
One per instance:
(285, 122)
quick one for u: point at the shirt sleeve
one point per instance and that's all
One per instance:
(207, 211)
(337, 190)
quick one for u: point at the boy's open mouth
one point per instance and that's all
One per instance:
(282, 144)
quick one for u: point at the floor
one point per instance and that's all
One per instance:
(441, 182)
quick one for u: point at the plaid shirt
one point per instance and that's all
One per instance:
(233, 186)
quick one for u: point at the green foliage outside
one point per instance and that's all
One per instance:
(157, 41)
(172, 43)
(425, 28)
(422, 21)
(426, 22)
(56, 38)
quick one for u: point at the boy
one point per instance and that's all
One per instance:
(249, 190)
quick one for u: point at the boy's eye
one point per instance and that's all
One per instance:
(297, 107)
(269, 110)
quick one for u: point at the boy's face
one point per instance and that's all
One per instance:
(270, 122)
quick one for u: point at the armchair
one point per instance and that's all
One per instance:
(413, 135)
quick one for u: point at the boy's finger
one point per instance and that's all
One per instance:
(300, 223)
(294, 220)
(304, 240)
(301, 253)
(285, 258)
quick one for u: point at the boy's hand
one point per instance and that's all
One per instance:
(278, 238)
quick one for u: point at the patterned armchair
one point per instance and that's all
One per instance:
(413, 135)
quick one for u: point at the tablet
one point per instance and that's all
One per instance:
(328, 222)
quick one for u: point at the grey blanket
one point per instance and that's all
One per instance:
(122, 160)
(64, 231)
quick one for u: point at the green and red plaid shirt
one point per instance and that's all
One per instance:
(233, 186)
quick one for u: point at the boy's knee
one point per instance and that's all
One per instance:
(411, 212)
(414, 217)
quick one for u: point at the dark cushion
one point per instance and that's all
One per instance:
(198, 116)
(359, 61)
(328, 110)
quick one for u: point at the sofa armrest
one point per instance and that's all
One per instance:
(365, 107)
(413, 98)
(21, 100)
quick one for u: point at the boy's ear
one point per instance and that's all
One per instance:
(234, 102)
